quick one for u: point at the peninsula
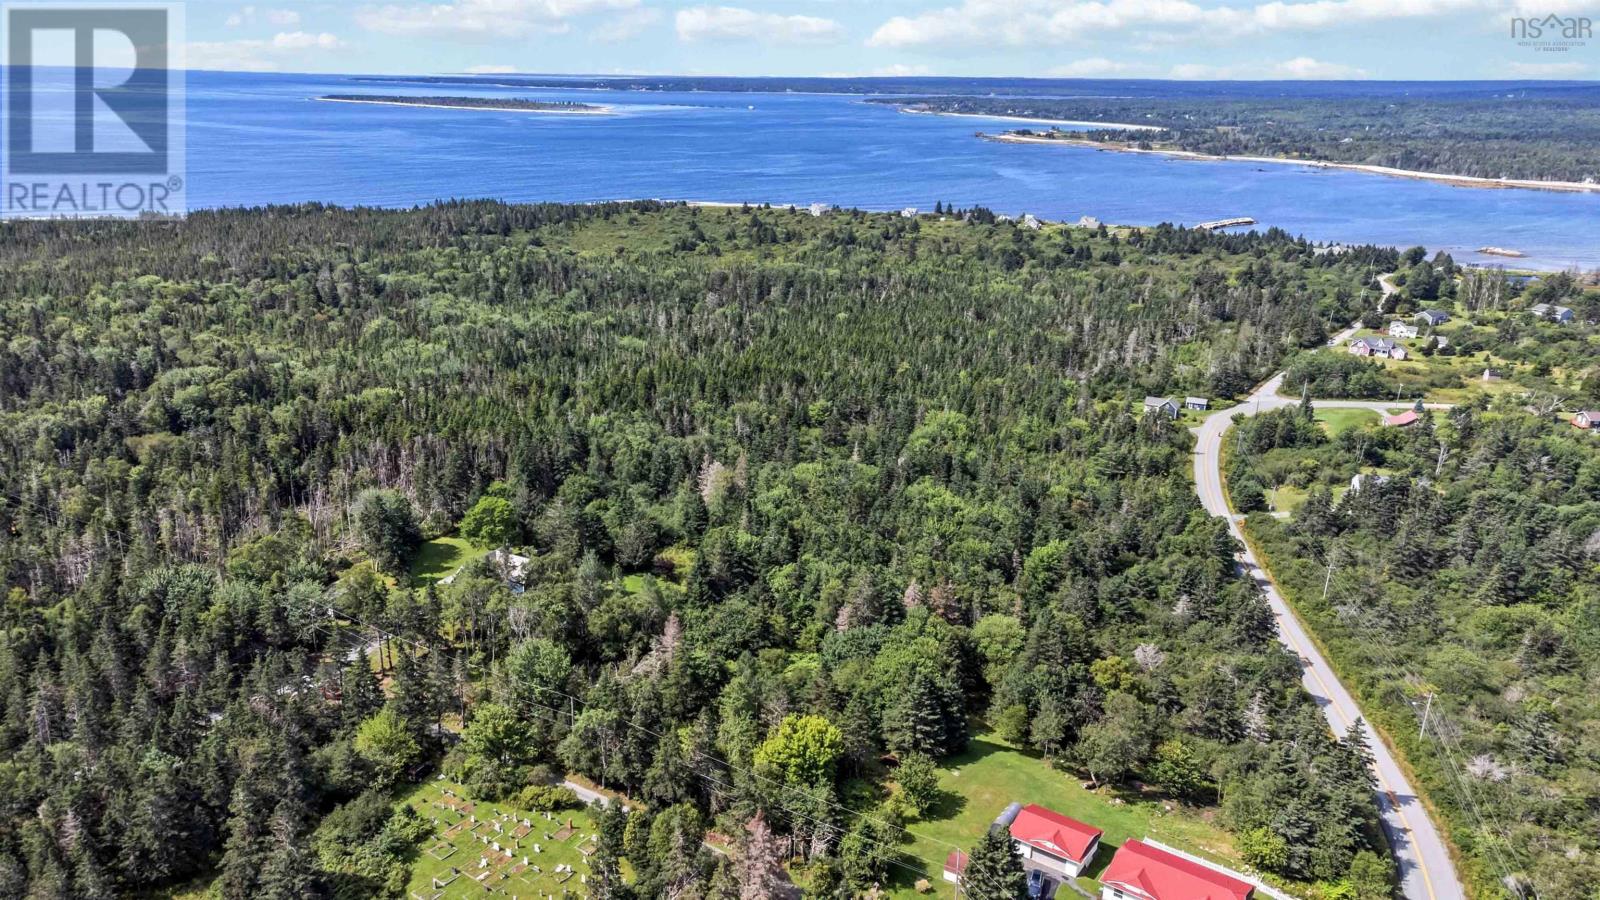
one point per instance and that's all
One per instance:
(495, 104)
(1477, 137)
(1121, 142)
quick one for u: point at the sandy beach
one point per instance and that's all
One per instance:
(598, 111)
(1110, 126)
(1575, 187)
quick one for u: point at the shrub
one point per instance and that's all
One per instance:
(548, 798)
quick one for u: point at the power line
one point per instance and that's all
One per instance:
(1384, 641)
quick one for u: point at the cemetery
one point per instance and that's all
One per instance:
(480, 849)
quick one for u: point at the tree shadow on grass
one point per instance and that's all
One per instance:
(977, 749)
(907, 871)
(947, 805)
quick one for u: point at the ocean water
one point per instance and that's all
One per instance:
(263, 138)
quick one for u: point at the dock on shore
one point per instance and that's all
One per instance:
(1225, 223)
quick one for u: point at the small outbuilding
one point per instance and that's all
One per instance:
(1197, 403)
(955, 865)
(1588, 420)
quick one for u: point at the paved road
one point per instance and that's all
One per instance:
(1426, 872)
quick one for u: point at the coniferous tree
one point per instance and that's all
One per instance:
(994, 869)
(360, 694)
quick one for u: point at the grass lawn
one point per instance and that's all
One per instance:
(1286, 498)
(455, 848)
(1337, 421)
(990, 774)
(439, 557)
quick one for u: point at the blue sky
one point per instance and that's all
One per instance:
(1390, 39)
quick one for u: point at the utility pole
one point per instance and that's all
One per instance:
(1428, 708)
(1327, 582)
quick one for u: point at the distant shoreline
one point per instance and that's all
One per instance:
(1108, 126)
(1569, 187)
(552, 111)
(801, 207)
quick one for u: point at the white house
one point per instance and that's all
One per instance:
(818, 209)
(1561, 315)
(909, 212)
(1588, 420)
(1402, 330)
(1365, 480)
(512, 568)
(1377, 347)
(1048, 840)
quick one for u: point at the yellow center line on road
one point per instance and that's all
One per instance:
(1422, 866)
(1218, 494)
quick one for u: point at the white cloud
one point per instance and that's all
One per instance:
(303, 40)
(895, 70)
(1542, 8)
(298, 47)
(1050, 22)
(627, 25)
(1097, 67)
(731, 23)
(1548, 70)
(1301, 68)
(482, 19)
(249, 15)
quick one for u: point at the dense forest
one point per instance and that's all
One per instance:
(1455, 583)
(1479, 134)
(802, 500)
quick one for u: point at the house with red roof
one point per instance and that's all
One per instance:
(1050, 841)
(1409, 417)
(1140, 871)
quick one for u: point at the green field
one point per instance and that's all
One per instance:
(1337, 421)
(453, 852)
(439, 557)
(980, 782)
(1286, 499)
